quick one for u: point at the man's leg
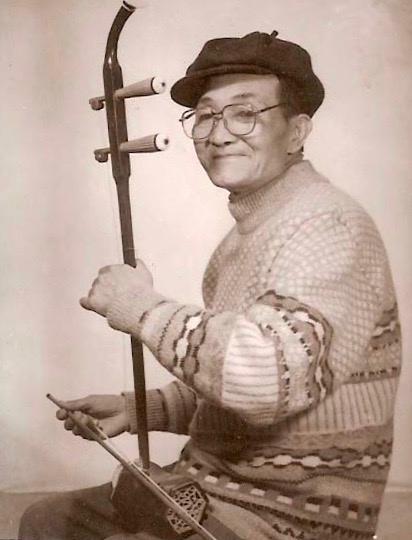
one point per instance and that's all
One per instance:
(89, 515)
(77, 515)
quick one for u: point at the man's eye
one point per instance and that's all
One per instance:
(203, 117)
(244, 116)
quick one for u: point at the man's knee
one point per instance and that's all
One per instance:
(50, 517)
(83, 514)
(36, 519)
(135, 536)
(147, 536)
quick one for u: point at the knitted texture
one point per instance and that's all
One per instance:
(156, 410)
(294, 359)
(168, 409)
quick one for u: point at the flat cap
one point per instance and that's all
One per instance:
(256, 53)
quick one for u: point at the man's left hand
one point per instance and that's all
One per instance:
(114, 281)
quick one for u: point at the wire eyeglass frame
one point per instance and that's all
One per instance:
(222, 114)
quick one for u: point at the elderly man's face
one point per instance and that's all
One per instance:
(246, 162)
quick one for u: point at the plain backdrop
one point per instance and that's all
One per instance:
(59, 220)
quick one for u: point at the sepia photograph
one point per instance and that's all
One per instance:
(206, 261)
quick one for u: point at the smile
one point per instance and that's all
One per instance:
(228, 156)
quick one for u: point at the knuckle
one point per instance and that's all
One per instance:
(61, 414)
(94, 285)
(107, 269)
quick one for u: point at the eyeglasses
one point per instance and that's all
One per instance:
(238, 119)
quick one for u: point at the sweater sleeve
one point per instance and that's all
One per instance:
(169, 408)
(300, 339)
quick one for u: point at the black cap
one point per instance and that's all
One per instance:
(256, 53)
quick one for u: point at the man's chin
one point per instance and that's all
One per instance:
(228, 179)
(229, 183)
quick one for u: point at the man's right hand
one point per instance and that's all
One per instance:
(108, 410)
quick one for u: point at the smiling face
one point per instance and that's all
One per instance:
(247, 162)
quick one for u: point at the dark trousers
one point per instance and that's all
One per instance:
(88, 514)
(85, 514)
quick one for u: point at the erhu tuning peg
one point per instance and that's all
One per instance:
(97, 103)
(150, 143)
(148, 87)
(102, 154)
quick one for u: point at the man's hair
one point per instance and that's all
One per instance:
(290, 93)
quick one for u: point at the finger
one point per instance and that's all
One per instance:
(144, 274)
(79, 432)
(61, 414)
(105, 269)
(78, 417)
(75, 423)
(87, 423)
(93, 424)
(69, 424)
(82, 405)
(85, 303)
(100, 425)
(140, 263)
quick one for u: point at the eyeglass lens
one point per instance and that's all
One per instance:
(239, 119)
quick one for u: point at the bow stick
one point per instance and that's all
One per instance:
(119, 150)
(141, 476)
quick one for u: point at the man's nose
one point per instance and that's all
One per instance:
(220, 135)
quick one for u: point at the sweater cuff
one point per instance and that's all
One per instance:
(156, 412)
(127, 312)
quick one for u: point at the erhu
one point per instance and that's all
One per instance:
(183, 502)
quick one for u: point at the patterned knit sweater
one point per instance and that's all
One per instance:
(287, 377)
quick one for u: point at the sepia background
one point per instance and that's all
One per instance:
(59, 221)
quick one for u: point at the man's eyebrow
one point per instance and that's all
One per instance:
(244, 95)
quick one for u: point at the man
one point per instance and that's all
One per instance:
(286, 379)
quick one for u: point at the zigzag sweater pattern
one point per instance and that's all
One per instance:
(287, 377)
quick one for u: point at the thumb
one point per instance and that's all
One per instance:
(114, 426)
(82, 405)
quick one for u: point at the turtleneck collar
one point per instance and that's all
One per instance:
(254, 207)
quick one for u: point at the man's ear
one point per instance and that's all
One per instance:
(301, 126)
